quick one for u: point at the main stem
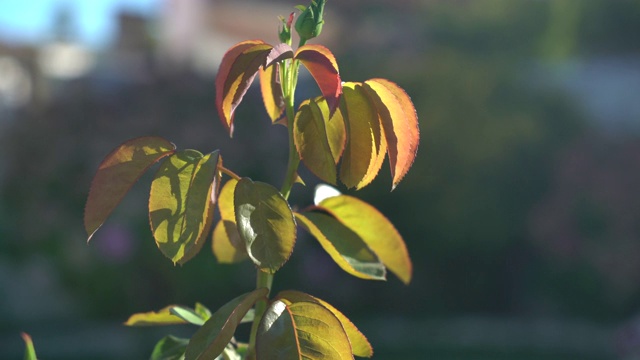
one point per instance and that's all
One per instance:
(263, 279)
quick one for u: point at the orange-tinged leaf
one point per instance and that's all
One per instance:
(302, 330)
(359, 343)
(361, 158)
(400, 123)
(343, 245)
(323, 67)
(211, 339)
(271, 89)
(227, 245)
(238, 68)
(155, 318)
(310, 137)
(265, 223)
(375, 229)
(180, 207)
(117, 173)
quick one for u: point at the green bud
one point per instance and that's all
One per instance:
(285, 31)
(309, 23)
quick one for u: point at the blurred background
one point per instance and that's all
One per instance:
(521, 213)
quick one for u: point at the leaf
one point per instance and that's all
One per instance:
(400, 124)
(202, 311)
(211, 339)
(170, 348)
(310, 137)
(271, 89)
(180, 209)
(265, 223)
(365, 147)
(375, 230)
(227, 245)
(155, 318)
(336, 131)
(323, 191)
(359, 343)
(323, 67)
(302, 330)
(187, 314)
(117, 173)
(29, 350)
(343, 245)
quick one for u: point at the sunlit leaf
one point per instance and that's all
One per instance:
(343, 245)
(310, 135)
(323, 191)
(180, 209)
(170, 348)
(376, 231)
(228, 247)
(202, 311)
(29, 350)
(212, 338)
(155, 318)
(265, 223)
(187, 314)
(335, 128)
(323, 67)
(400, 124)
(359, 343)
(271, 89)
(301, 330)
(117, 173)
(364, 153)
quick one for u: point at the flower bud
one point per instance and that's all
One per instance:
(309, 23)
(285, 31)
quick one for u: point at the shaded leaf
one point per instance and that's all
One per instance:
(335, 128)
(29, 349)
(180, 209)
(117, 173)
(323, 67)
(265, 223)
(155, 318)
(228, 247)
(301, 330)
(360, 346)
(343, 245)
(400, 124)
(271, 89)
(310, 137)
(212, 338)
(375, 230)
(170, 348)
(364, 153)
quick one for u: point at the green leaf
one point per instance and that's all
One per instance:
(375, 230)
(265, 223)
(180, 209)
(202, 311)
(227, 245)
(155, 318)
(359, 343)
(187, 314)
(170, 348)
(323, 67)
(301, 330)
(366, 145)
(344, 246)
(117, 173)
(400, 124)
(212, 338)
(271, 89)
(29, 351)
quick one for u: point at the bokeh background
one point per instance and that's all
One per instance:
(521, 212)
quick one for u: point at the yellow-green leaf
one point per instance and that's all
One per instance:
(335, 128)
(265, 223)
(271, 89)
(344, 246)
(180, 209)
(227, 245)
(323, 67)
(29, 351)
(360, 346)
(155, 318)
(211, 339)
(400, 124)
(311, 140)
(169, 348)
(375, 230)
(365, 147)
(301, 330)
(117, 173)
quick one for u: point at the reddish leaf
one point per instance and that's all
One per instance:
(117, 173)
(400, 124)
(323, 67)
